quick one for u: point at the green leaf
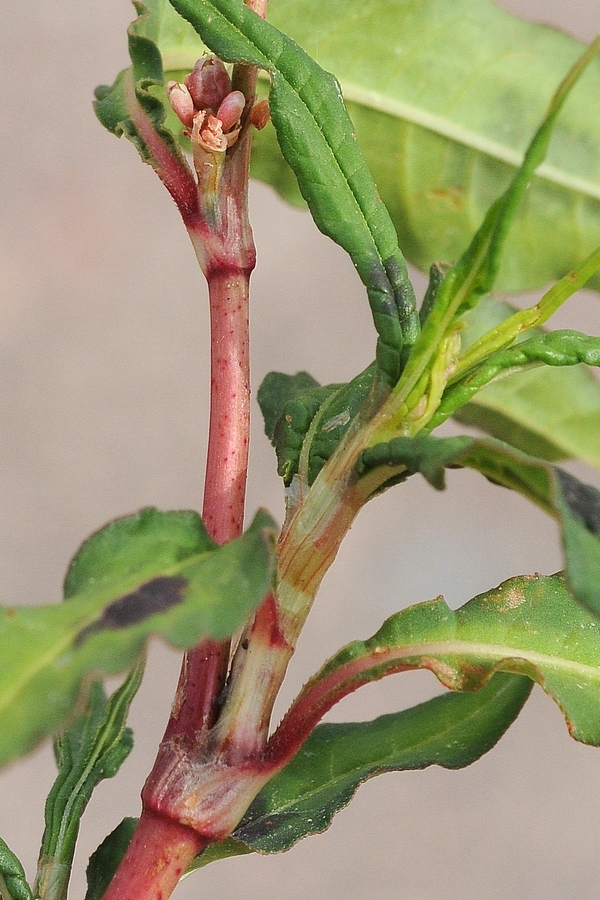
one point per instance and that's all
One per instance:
(93, 749)
(579, 506)
(556, 349)
(550, 413)
(529, 625)
(106, 859)
(131, 108)
(13, 883)
(150, 573)
(444, 99)
(576, 505)
(292, 428)
(214, 852)
(135, 547)
(475, 272)
(276, 390)
(451, 731)
(306, 426)
(317, 139)
(336, 415)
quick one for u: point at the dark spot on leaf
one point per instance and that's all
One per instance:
(258, 823)
(582, 499)
(378, 277)
(153, 597)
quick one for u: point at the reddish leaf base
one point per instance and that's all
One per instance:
(157, 857)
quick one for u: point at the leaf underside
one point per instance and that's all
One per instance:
(450, 731)
(444, 100)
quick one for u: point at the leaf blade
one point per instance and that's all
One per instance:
(105, 859)
(129, 107)
(550, 413)
(12, 875)
(317, 138)
(556, 349)
(193, 591)
(452, 731)
(443, 141)
(93, 749)
(529, 625)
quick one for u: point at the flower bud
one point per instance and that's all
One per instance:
(259, 114)
(208, 83)
(181, 102)
(231, 109)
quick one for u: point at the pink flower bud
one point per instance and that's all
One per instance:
(208, 83)
(231, 109)
(259, 114)
(181, 102)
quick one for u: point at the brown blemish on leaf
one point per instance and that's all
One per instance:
(510, 599)
(454, 195)
(153, 597)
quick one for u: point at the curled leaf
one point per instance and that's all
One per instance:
(13, 883)
(130, 107)
(529, 625)
(91, 750)
(557, 349)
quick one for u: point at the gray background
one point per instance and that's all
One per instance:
(103, 367)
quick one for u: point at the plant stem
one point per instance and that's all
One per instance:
(165, 843)
(204, 668)
(158, 855)
(227, 458)
(189, 782)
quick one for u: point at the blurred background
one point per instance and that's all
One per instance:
(103, 368)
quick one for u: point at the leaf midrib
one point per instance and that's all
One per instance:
(487, 651)
(446, 128)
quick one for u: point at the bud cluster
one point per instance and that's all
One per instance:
(207, 106)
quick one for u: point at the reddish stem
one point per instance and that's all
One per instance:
(324, 691)
(227, 460)
(219, 228)
(172, 170)
(204, 668)
(156, 858)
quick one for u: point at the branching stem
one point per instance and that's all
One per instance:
(164, 844)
